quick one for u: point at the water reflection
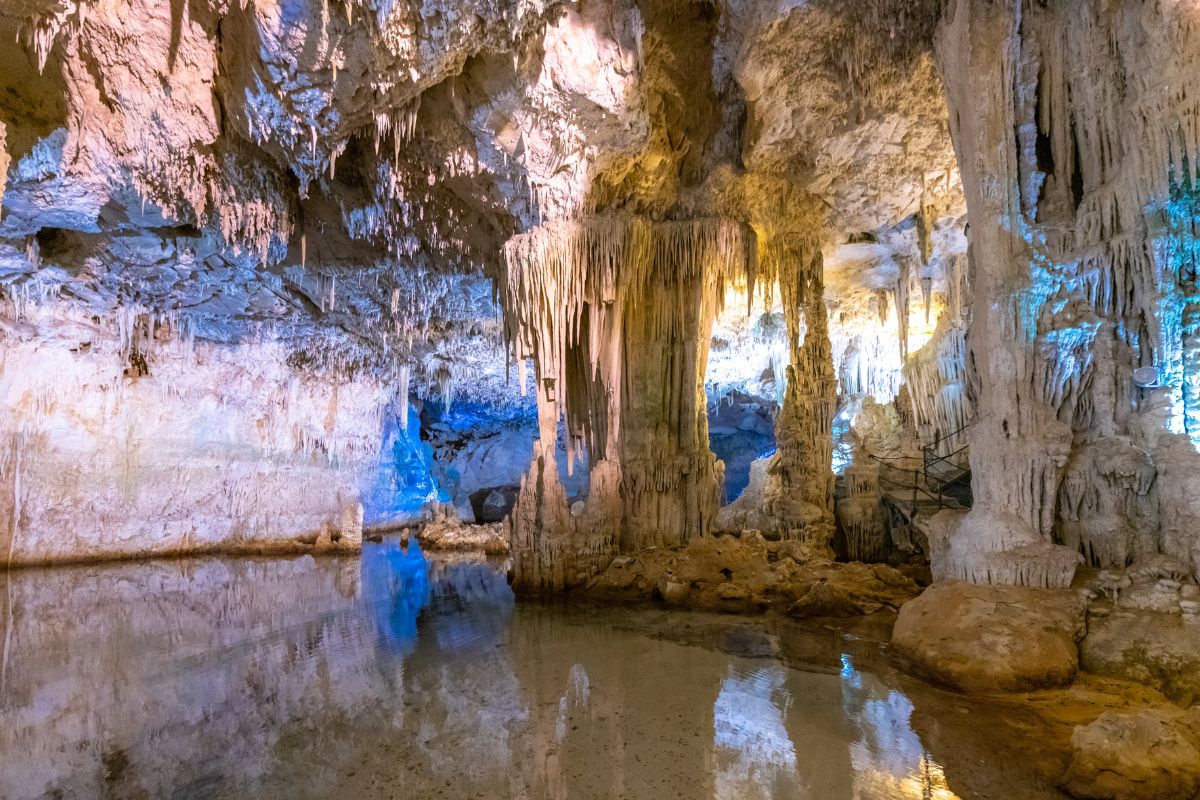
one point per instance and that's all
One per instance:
(888, 758)
(395, 676)
(396, 585)
(754, 753)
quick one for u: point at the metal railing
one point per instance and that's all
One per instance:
(918, 488)
(935, 473)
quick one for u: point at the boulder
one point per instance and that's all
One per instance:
(1133, 755)
(445, 530)
(748, 573)
(496, 504)
(829, 589)
(991, 638)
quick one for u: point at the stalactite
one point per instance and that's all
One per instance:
(402, 389)
(901, 297)
(937, 388)
(40, 33)
(927, 294)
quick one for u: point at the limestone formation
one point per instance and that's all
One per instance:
(751, 574)
(1140, 755)
(445, 530)
(616, 313)
(991, 638)
(276, 274)
(1078, 171)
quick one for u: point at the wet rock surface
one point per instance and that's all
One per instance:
(991, 638)
(1160, 650)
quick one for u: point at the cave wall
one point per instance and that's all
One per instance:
(127, 439)
(1076, 133)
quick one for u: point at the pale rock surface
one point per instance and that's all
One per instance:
(1135, 755)
(978, 638)
(151, 447)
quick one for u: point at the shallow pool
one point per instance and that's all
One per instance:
(396, 676)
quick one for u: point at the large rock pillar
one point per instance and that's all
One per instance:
(1078, 148)
(617, 313)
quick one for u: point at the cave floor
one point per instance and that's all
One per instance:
(402, 676)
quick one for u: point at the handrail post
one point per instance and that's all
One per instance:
(916, 485)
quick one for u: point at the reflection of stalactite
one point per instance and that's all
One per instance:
(617, 312)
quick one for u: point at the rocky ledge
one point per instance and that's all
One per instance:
(445, 530)
(751, 574)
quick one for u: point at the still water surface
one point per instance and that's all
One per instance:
(398, 676)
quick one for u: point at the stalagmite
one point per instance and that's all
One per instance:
(860, 514)
(801, 476)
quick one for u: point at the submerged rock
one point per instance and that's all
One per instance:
(1134, 755)
(991, 638)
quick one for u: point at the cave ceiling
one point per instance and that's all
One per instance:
(346, 172)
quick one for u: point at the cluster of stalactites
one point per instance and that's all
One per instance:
(1093, 177)
(40, 32)
(936, 376)
(568, 285)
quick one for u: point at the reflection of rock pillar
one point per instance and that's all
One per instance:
(617, 313)
(804, 428)
(821, 745)
(583, 700)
